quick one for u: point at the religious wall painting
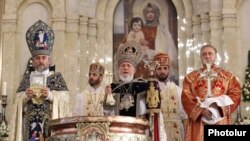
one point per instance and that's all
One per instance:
(143, 22)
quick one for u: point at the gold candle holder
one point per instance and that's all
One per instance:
(110, 99)
(4, 105)
(3, 123)
(109, 75)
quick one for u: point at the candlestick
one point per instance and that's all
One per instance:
(109, 75)
(110, 99)
(4, 104)
(3, 122)
(239, 120)
(4, 88)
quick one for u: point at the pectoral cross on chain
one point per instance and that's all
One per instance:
(209, 75)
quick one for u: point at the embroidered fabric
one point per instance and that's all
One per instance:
(127, 99)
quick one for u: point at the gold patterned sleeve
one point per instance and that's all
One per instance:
(189, 101)
(234, 92)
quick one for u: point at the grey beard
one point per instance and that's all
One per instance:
(41, 69)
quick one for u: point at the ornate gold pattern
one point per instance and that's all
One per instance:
(171, 114)
(196, 86)
(88, 131)
(126, 137)
(217, 83)
(104, 128)
(38, 99)
(152, 96)
(93, 103)
(130, 52)
(97, 68)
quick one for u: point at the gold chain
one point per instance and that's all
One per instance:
(94, 102)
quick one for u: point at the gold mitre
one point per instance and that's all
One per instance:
(162, 59)
(129, 52)
(96, 68)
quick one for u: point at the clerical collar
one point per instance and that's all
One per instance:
(212, 66)
(93, 90)
(46, 72)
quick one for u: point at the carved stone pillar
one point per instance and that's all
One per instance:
(92, 30)
(108, 45)
(9, 58)
(1, 29)
(216, 32)
(103, 42)
(230, 47)
(181, 49)
(205, 28)
(83, 57)
(189, 46)
(58, 53)
(102, 45)
(197, 40)
(72, 51)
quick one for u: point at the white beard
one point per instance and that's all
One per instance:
(127, 78)
(208, 62)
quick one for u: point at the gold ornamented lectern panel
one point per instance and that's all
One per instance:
(99, 128)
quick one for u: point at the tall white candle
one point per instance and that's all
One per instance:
(4, 88)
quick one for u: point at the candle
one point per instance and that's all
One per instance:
(4, 88)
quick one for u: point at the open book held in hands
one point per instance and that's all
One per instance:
(221, 101)
(37, 82)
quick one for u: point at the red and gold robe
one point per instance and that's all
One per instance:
(195, 85)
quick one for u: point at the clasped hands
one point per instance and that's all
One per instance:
(206, 113)
(44, 91)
